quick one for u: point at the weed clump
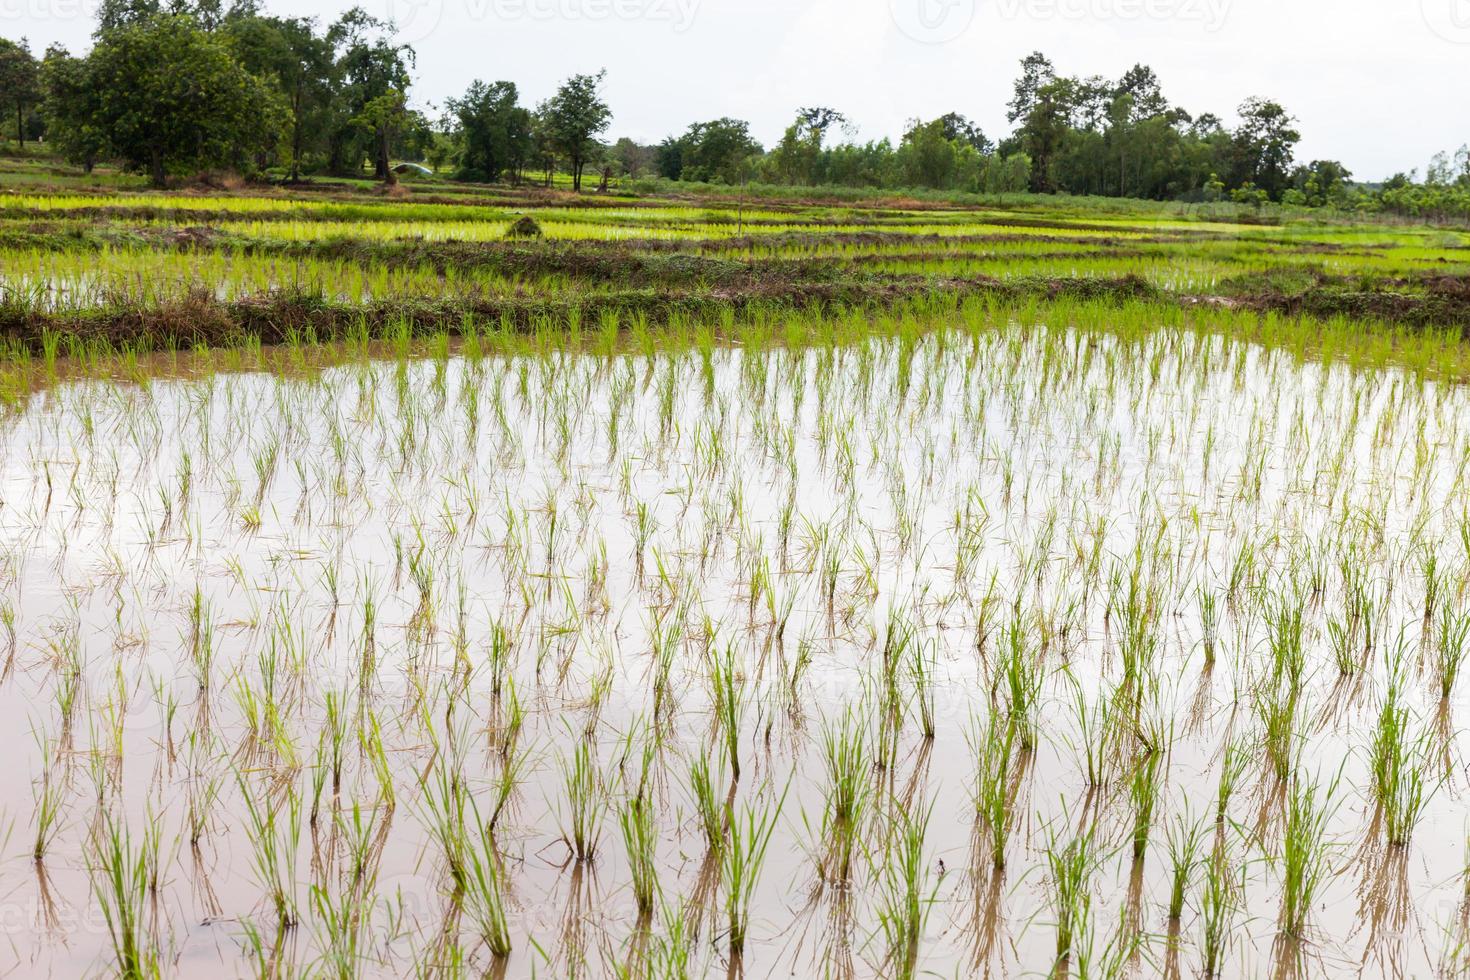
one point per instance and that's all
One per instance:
(523, 228)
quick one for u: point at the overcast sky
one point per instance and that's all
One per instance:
(1378, 84)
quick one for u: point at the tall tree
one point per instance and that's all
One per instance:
(371, 66)
(293, 54)
(69, 106)
(928, 155)
(208, 14)
(494, 131)
(574, 117)
(959, 129)
(20, 83)
(167, 95)
(716, 150)
(1046, 128)
(1036, 72)
(1145, 94)
(1263, 146)
(798, 157)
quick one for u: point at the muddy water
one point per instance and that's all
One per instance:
(581, 506)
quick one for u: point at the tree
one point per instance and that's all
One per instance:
(69, 106)
(814, 122)
(1320, 182)
(574, 117)
(1046, 129)
(386, 117)
(371, 67)
(166, 95)
(493, 129)
(291, 53)
(959, 129)
(113, 14)
(1036, 72)
(716, 150)
(1146, 95)
(669, 158)
(1262, 146)
(1007, 175)
(798, 157)
(634, 159)
(928, 155)
(441, 150)
(20, 83)
(208, 14)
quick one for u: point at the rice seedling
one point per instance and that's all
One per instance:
(905, 905)
(640, 842)
(1070, 869)
(848, 797)
(275, 833)
(584, 790)
(1398, 762)
(1143, 789)
(729, 702)
(484, 887)
(1022, 679)
(1450, 649)
(50, 801)
(741, 862)
(123, 875)
(1219, 905)
(994, 744)
(1186, 839)
(1304, 851)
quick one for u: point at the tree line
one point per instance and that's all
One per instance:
(198, 85)
(187, 85)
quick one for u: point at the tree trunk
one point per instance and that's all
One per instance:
(381, 168)
(160, 179)
(20, 126)
(296, 136)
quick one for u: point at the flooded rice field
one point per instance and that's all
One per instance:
(938, 648)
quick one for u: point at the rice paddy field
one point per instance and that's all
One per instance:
(706, 587)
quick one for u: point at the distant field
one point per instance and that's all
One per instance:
(98, 262)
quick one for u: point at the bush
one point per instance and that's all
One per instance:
(524, 227)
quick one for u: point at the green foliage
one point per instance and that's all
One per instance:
(573, 118)
(165, 95)
(300, 61)
(494, 132)
(367, 118)
(1261, 149)
(718, 150)
(20, 87)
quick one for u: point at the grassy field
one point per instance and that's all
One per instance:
(859, 588)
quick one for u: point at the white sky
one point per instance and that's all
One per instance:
(1378, 84)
